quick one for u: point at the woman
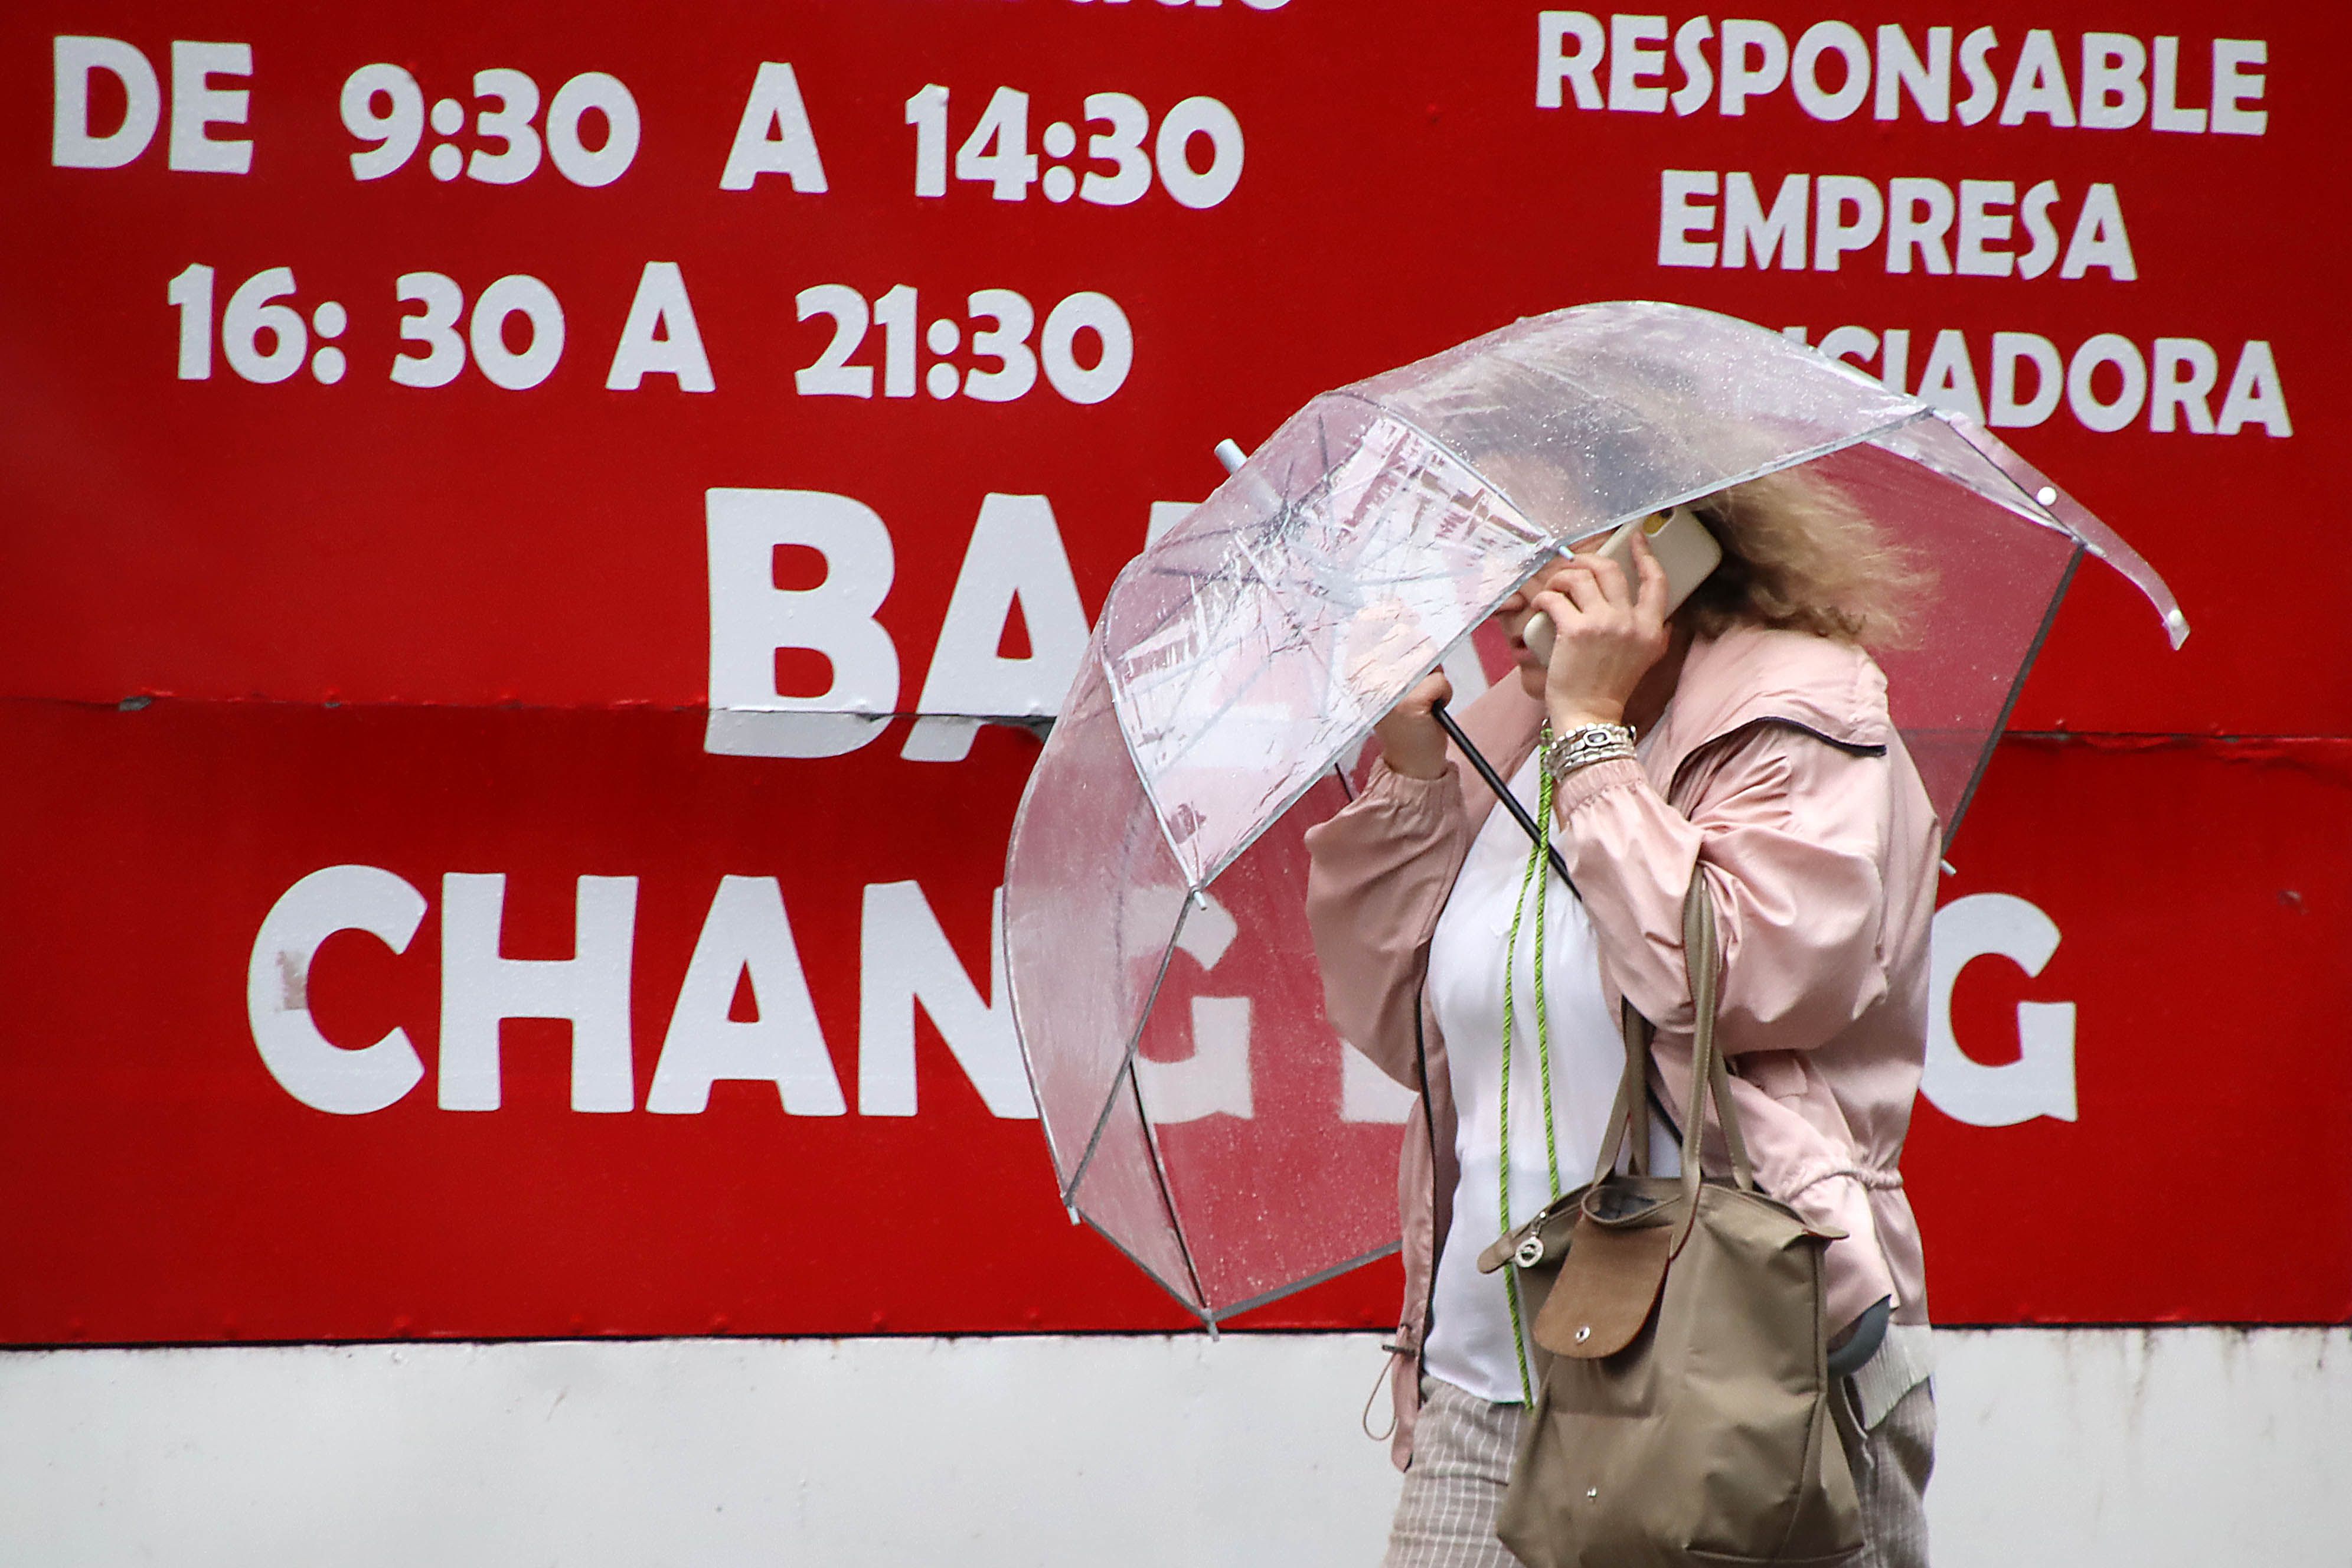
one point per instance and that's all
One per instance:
(1765, 756)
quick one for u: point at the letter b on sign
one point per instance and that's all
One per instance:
(751, 619)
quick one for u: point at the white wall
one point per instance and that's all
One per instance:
(2190, 1447)
(2151, 1447)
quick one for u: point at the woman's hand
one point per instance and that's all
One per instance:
(1410, 741)
(1607, 636)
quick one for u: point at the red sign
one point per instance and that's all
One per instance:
(514, 519)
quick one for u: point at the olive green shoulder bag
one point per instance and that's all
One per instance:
(1685, 1414)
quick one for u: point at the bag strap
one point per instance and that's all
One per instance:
(1628, 1123)
(1628, 1126)
(1703, 957)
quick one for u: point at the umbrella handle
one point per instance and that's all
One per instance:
(1502, 791)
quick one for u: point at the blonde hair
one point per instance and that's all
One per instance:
(1799, 553)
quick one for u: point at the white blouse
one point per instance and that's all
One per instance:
(1469, 1342)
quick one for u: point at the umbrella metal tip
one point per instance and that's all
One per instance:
(2046, 494)
(1230, 453)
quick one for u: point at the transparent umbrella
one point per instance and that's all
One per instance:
(1200, 1111)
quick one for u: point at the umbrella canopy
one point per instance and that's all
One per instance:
(1200, 1111)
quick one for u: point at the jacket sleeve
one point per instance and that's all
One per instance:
(1790, 831)
(1378, 874)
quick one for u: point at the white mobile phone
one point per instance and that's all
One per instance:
(1686, 551)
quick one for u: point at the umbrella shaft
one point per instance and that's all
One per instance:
(1502, 791)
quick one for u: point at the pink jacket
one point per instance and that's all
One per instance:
(1777, 768)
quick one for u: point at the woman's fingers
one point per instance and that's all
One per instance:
(1434, 689)
(1650, 599)
(1580, 585)
(1563, 611)
(1410, 741)
(1615, 586)
(1609, 635)
(1606, 584)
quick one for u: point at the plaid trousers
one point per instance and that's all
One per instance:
(1462, 1456)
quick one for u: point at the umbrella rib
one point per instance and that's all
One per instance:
(1168, 1195)
(1308, 1281)
(1126, 1058)
(1127, 1080)
(2016, 689)
(1143, 781)
(1148, 1272)
(1013, 992)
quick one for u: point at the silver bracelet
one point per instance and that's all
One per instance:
(1583, 746)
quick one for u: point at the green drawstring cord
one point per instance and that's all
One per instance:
(1535, 874)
